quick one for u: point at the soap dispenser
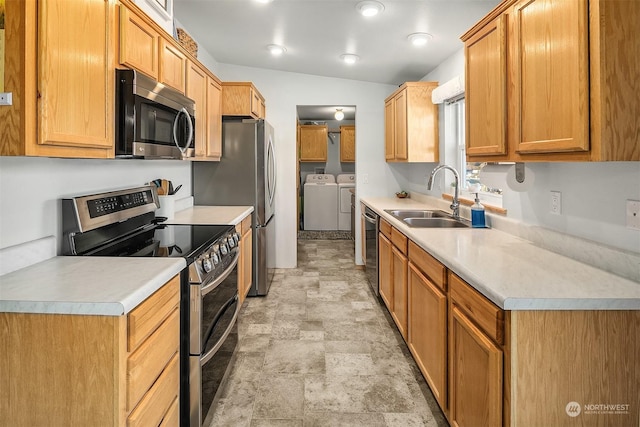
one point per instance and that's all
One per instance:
(477, 214)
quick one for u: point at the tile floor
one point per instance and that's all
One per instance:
(319, 350)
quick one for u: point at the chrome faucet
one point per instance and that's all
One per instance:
(455, 205)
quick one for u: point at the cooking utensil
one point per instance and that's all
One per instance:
(176, 189)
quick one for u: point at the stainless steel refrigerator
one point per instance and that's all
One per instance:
(246, 176)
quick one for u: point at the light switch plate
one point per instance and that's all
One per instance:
(633, 214)
(6, 98)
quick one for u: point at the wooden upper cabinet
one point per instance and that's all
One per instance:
(411, 124)
(197, 90)
(139, 43)
(214, 116)
(551, 76)
(486, 85)
(313, 143)
(566, 75)
(242, 99)
(75, 91)
(173, 66)
(348, 143)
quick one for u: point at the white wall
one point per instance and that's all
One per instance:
(31, 189)
(283, 92)
(593, 194)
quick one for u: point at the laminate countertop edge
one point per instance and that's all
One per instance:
(512, 272)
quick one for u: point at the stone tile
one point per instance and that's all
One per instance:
(291, 311)
(349, 364)
(280, 396)
(295, 357)
(257, 343)
(245, 367)
(404, 420)
(312, 335)
(256, 422)
(285, 330)
(350, 347)
(329, 419)
(259, 329)
(353, 331)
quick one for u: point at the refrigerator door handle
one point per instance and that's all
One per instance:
(272, 175)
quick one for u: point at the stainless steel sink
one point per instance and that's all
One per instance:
(437, 223)
(402, 214)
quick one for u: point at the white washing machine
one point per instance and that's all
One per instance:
(320, 202)
(345, 182)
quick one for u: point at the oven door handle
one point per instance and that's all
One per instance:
(233, 300)
(211, 286)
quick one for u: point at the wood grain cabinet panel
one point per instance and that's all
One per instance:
(399, 266)
(173, 66)
(242, 99)
(548, 80)
(411, 124)
(385, 278)
(214, 119)
(427, 331)
(313, 143)
(139, 43)
(347, 143)
(197, 90)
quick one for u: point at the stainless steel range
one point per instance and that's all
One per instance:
(123, 223)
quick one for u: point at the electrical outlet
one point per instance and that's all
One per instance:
(6, 98)
(556, 203)
(633, 214)
(365, 178)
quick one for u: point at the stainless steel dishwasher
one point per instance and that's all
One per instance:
(371, 247)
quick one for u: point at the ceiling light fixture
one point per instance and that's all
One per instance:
(369, 8)
(419, 39)
(264, 1)
(276, 50)
(350, 58)
(339, 114)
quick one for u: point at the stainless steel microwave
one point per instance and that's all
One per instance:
(153, 121)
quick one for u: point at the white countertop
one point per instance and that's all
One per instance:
(110, 286)
(211, 215)
(513, 272)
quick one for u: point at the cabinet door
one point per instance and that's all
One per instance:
(399, 276)
(214, 116)
(389, 129)
(76, 74)
(427, 335)
(313, 143)
(197, 90)
(486, 96)
(400, 121)
(138, 43)
(552, 76)
(173, 66)
(347, 143)
(384, 271)
(475, 381)
(256, 104)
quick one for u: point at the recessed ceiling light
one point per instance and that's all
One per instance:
(419, 39)
(369, 8)
(350, 58)
(276, 50)
(264, 1)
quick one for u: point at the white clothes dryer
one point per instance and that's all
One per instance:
(320, 202)
(346, 182)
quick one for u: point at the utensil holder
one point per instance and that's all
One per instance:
(167, 206)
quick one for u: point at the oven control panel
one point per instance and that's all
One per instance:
(214, 260)
(110, 204)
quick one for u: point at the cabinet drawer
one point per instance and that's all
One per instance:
(246, 224)
(145, 318)
(428, 265)
(385, 228)
(484, 313)
(145, 365)
(399, 240)
(159, 399)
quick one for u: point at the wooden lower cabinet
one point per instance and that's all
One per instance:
(399, 266)
(385, 280)
(427, 331)
(82, 370)
(475, 379)
(245, 263)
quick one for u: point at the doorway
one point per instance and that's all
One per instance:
(325, 169)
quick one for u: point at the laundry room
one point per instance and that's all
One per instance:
(326, 168)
